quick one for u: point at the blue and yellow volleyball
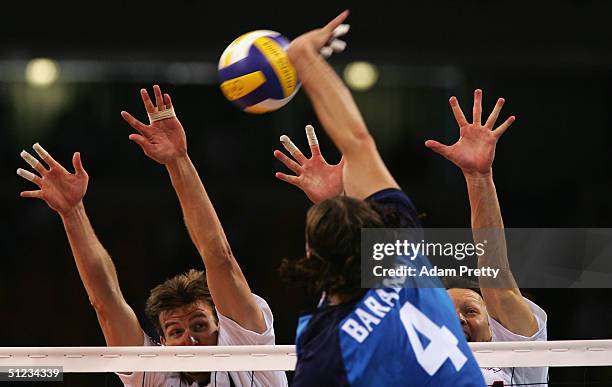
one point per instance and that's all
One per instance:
(255, 72)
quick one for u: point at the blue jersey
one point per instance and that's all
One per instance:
(389, 337)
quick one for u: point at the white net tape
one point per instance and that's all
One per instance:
(163, 359)
(580, 353)
(570, 353)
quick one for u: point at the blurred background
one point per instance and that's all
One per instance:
(67, 71)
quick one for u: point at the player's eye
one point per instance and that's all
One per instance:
(176, 333)
(199, 327)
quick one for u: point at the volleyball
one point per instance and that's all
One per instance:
(255, 73)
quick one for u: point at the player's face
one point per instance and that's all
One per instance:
(472, 314)
(192, 324)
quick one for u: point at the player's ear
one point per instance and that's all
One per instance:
(162, 340)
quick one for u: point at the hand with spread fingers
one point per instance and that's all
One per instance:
(318, 179)
(475, 150)
(60, 189)
(163, 140)
(63, 192)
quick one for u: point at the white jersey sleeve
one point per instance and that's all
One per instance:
(231, 333)
(519, 375)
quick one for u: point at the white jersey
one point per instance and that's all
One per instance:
(230, 333)
(519, 375)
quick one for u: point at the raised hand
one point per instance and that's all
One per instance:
(60, 189)
(318, 179)
(324, 40)
(164, 138)
(474, 152)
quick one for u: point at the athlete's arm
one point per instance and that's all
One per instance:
(474, 153)
(364, 170)
(318, 179)
(63, 192)
(165, 142)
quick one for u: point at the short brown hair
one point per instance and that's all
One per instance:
(180, 290)
(333, 234)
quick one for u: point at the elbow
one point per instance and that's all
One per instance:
(499, 299)
(361, 141)
(361, 135)
(358, 129)
(103, 303)
(100, 307)
(219, 257)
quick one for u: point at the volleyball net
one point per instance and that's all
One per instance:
(571, 353)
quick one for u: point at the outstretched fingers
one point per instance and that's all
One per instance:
(494, 114)
(32, 194)
(288, 162)
(138, 139)
(331, 26)
(167, 101)
(294, 180)
(334, 44)
(46, 157)
(159, 99)
(457, 112)
(477, 110)
(77, 163)
(313, 142)
(147, 101)
(33, 162)
(341, 30)
(29, 176)
(502, 128)
(135, 123)
(292, 149)
(439, 148)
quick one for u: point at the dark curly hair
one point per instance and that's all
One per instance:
(333, 236)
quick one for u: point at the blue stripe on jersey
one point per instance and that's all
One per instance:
(302, 324)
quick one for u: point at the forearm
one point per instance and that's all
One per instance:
(484, 205)
(364, 170)
(502, 296)
(487, 223)
(228, 286)
(330, 98)
(94, 265)
(200, 217)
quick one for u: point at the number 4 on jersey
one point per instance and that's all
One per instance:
(442, 343)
